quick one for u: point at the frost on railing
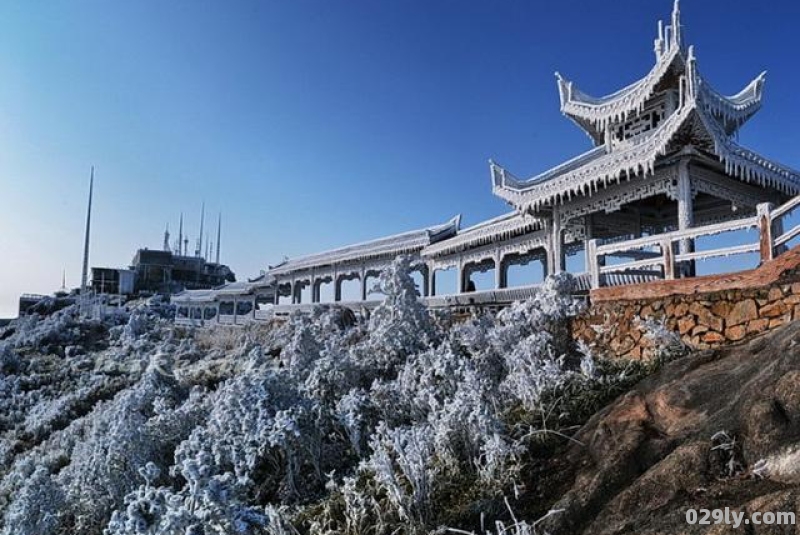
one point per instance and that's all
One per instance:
(772, 240)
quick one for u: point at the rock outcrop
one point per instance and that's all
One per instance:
(658, 451)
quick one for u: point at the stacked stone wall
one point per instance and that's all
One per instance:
(706, 312)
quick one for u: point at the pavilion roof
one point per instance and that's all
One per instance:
(594, 114)
(390, 246)
(499, 228)
(209, 295)
(702, 114)
(597, 169)
(194, 296)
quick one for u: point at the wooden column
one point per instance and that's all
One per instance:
(498, 272)
(555, 253)
(432, 281)
(668, 260)
(766, 241)
(461, 285)
(685, 214)
(592, 265)
(588, 231)
(337, 289)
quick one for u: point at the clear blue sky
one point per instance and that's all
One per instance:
(311, 124)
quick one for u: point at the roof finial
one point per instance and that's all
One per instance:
(659, 43)
(676, 22)
(564, 88)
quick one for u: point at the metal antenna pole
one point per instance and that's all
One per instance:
(85, 272)
(219, 233)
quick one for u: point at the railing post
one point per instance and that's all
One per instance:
(668, 259)
(766, 243)
(594, 265)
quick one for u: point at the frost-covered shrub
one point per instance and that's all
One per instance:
(666, 343)
(123, 436)
(209, 507)
(329, 422)
(401, 325)
(9, 361)
(37, 508)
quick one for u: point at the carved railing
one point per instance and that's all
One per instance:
(651, 265)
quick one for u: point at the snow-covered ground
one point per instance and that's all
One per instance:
(397, 423)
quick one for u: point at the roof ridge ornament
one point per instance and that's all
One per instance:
(659, 42)
(691, 72)
(677, 30)
(564, 88)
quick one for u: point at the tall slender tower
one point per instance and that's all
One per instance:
(166, 238)
(85, 272)
(219, 233)
(199, 249)
(180, 237)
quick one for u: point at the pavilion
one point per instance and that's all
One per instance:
(664, 158)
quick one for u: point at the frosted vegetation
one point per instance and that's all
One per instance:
(400, 423)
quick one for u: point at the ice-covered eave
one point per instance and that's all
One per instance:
(500, 228)
(747, 165)
(594, 114)
(733, 111)
(389, 247)
(638, 160)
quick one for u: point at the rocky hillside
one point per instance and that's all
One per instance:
(689, 436)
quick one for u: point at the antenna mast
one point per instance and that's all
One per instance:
(180, 237)
(199, 250)
(166, 238)
(219, 233)
(85, 272)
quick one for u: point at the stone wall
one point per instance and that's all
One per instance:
(706, 312)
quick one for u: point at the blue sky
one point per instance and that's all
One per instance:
(311, 124)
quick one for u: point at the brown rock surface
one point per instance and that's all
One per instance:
(647, 458)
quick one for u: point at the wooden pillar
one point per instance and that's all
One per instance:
(364, 289)
(555, 256)
(592, 265)
(685, 214)
(461, 286)
(668, 259)
(337, 289)
(766, 240)
(425, 280)
(588, 236)
(235, 307)
(432, 281)
(498, 272)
